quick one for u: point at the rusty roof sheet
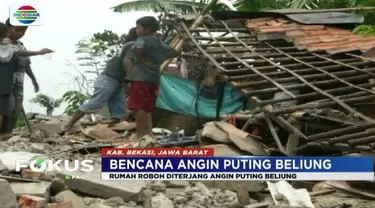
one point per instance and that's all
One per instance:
(312, 37)
(292, 80)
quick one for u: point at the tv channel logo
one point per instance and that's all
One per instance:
(26, 15)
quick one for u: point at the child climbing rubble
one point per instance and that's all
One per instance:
(147, 54)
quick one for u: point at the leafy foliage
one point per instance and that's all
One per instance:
(47, 102)
(96, 51)
(181, 7)
(365, 30)
(256, 5)
(92, 52)
(172, 6)
(74, 99)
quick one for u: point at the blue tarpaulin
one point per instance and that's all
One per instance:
(180, 95)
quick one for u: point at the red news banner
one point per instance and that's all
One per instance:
(157, 152)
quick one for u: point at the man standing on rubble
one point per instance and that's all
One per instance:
(108, 88)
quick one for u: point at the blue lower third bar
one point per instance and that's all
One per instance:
(239, 164)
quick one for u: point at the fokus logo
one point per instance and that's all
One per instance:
(44, 165)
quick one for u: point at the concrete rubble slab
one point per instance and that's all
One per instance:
(230, 140)
(242, 139)
(227, 150)
(161, 201)
(69, 196)
(2, 166)
(176, 184)
(101, 132)
(212, 131)
(52, 126)
(294, 197)
(7, 196)
(94, 186)
(35, 189)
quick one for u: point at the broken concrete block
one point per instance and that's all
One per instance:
(2, 166)
(284, 206)
(37, 148)
(242, 139)
(29, 174)
(158, 187)
(35, 189)
(212, 131)
(49, 126)
(94, 186)
(282, 191)
(161, 201)
(7, 196)
(327, 185)
(69, 196)
(29, 201)
(17, 138)
(203, 188)
(38, 135)
(61, 205)
(114, 202)
(101, 132)
(250, 186)
(176, 184)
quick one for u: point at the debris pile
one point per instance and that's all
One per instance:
(29, 189)
(303, 95)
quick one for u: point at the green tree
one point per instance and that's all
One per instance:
(47, 102)
(95, 51)
(74, 99)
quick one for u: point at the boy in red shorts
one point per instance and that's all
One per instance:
(143, 61)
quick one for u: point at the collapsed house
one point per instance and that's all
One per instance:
(305, 75)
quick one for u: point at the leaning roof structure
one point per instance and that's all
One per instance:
(296, 73)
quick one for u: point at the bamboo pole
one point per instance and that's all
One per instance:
(293, 139)
(26, 120)
(196, 24)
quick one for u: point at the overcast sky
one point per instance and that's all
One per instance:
(66, 23)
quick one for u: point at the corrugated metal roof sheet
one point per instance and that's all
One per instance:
(329, 17)
(312, 37)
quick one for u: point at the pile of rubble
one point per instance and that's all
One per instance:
(28, 189)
